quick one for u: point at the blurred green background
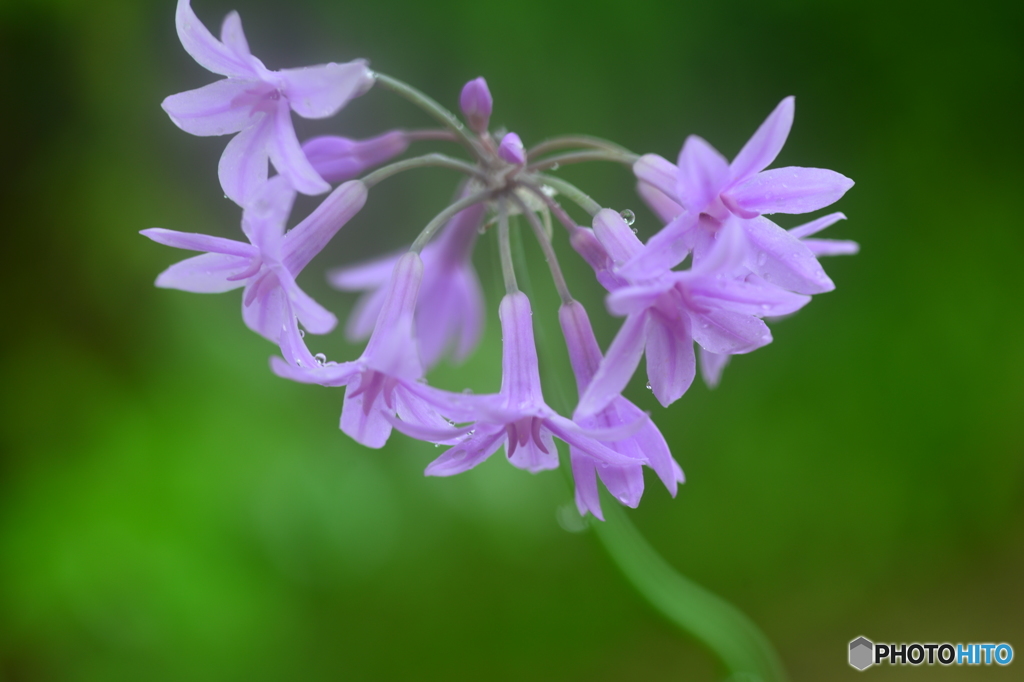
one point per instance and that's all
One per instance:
(170, 510)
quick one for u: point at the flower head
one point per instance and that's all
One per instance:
(257, 103)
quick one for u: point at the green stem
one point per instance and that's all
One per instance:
(429, 105)
(427, 160)
(508, 270)
(582, 157)
(572, 192)
(547, 248)
(731, 636)
(565, 141)
(444, 216)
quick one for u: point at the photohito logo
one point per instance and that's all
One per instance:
(864, 653)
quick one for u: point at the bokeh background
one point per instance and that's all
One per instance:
(169, 510)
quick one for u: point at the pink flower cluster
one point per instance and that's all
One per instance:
(425, 303)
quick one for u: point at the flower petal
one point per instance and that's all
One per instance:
(831, 247)
(531, 455)
(468, 453)
(626, 484)
(287, 157)
(670, 362)
(765, 144)
(787, 190)
(815, 226)
(205, 274)
(211, 109)
(782, 259)
(665, 250)
(320, 91)
(711, 366)
(584, 473)
(724, 331)
(304, 241)
(659, 202)
(703, 173)
(210, 53)
(339, 158)
(368, 274)
(268, 312)
(233, 37)
(368, 427)
(243, 165)
(658, 172)
(200, 242)
(617, 367)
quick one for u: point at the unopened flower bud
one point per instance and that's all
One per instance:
(476, 103)
(511, 149)
(340, 158)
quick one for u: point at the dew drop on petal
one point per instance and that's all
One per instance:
(762, 258)
(321, 359)
(437, 445)
(628, 216)
(649, 387)
(467, 391)
(302, 334)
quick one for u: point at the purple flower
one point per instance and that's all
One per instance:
(268, 265)
(712, 364)
(476, 103)
(339, 158)
(517, 416)
(380, 383)
(707, 190)
(257, 103)
(511, 150)
(716, 303)
(626, 483)
(450, 312)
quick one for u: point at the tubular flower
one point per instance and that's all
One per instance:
(626, 483)
(517, 416)
(268, 265)
(257, 103)
(450, 312)
(706, 190)
(381, 381)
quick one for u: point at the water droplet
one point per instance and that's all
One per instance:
(628, 216)
(437, 445)
(298, 362)
(482, 228)
(762, 258)
(634, 230)
(321, 359)
(467, 391)
(649, 387)
(302, 334)
(765, 306)
(555, 167)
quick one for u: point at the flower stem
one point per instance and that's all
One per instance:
(508, 271)
(586, 141)
(444, 216)
(572, 191)
(731, 636)
(436, 160)
(582, 157)
(547, 248)
(429, 105)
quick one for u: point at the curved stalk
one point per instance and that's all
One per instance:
(571, 191)
(427, 160)
(429, 105)
(566, 141)
(444, 216)
(582, 157)
(724, 629)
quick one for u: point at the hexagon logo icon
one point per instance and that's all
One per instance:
(861, 653)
